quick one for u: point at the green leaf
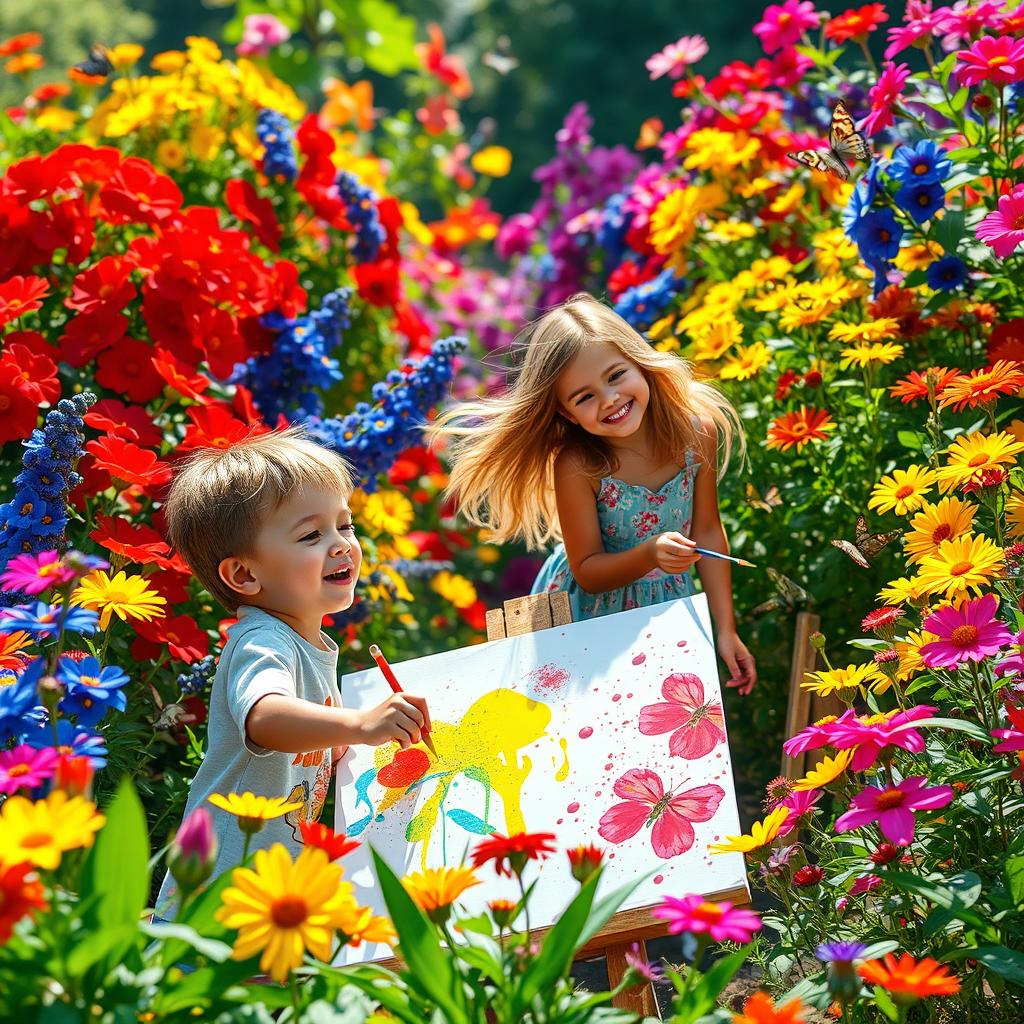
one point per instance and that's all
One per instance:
(1013, 869)
(212, 949)
(96, 945)
(963, 176)
(959, 100)
(430, 969)
(605, 907)
(949, 230)
(942, 896)
(886, 1005)
(200, 988)
(702, 997)
(964, 154)
(911, 439)
(972, 729)
(199, 916)
(1007, 963)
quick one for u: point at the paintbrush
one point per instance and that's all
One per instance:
(389, 675)
(728, 558)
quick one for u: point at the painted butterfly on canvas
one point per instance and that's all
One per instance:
(767, 501)
(97, 63)
(697, 725)
(866, 545)
(790, 596)
(670, 815)
(844, 143)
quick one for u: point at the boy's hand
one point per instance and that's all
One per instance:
(403, 717)
(739, 661)
(673, 552)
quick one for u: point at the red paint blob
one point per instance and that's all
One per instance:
(658, 879)
(586, 732)
(682, 643)
(617, 696)
(573, 807)
(639, 659)
(407, 766)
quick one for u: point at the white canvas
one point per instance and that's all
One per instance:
(553, 721)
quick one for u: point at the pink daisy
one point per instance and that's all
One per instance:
(677, 56)
(798, 804)
(783, 24)
(865, 883)
(968, 633)
(1012, 738)
(813, 736)
(965, 20)
(1013, 662)
(999, 60)
(722, 921)
(884, 95)
(920, 24)
(1003, 229)
(872, 734)
(893, 807)
(32, 574)
(25, 767)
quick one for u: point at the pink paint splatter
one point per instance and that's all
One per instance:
(573, 807)
(658, 879)
(586, 732)
(597, 792)
(639, 659)
(629, 696)
(617, 696)
(682, 643)
(608, 767)
(548, 679)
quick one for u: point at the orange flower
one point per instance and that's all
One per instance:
(799, 428)
(334, 844)
(11, 644)
(23, 63)
(915, 385)
(21, 893)
(348, 103)
(909, 979)
(760, 1008)
(16, 44)
(979, 387)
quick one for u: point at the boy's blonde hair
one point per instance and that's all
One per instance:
(504, 448)
(220, 497)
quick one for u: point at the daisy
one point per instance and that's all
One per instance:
(436, 889)
(796, 429)
(26, 767)
(995, 59)
(748, 361)
(129, 597)
(1003, 229)
(951, 517)
(825, 771)
(42, 831)
(903, 591)
(856, 23)
(970, 454)
(1014, 513)
(388, 512)
(979, 387)
(960, 565)
(835, 679)
(909, 650)
(968, 633)
(677, 56)
(783, 24)
(871, 354)
(909, 979)
(872, 330)
(884, 95)
(722, 921)
(903, 491)
(868, 736)
(761, 835)
(916, 385)
(892, 807)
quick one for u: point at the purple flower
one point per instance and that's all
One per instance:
(893, 806)
(840, 952)
(640, 965)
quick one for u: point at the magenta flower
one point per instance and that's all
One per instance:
(884, 95)
(783, 24)
(260, 33)
(1003, 229)
(798, 804)
(1012, 738)
(1013, 663)
(965, 20)
(32, 574)
(865, 883)
(921, 23)
(813, 736)
(968, 633)
(677, 57)
(995, 59)
(722, 921)
(871, 734)
(893, 807)
(26, 767)
(699, 726)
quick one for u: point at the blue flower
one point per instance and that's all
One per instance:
(361, 211)
(921, 199)
(878, 236)
(923, 163)
(275, 132)
(198, 677)
(91, 689)
(72, 740)
(642, 304)
(615, 225)
(947, 274)
(17, 699)
(42, 620)
(860, 202)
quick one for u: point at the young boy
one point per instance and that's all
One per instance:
(266, 527)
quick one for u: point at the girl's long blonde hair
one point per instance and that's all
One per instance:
(503, 448)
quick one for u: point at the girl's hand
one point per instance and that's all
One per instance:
(673, 552)
(739, 661)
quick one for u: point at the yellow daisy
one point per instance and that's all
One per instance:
(41, 831)
(917, 257)
(748, 361)
(974, 453)
(718, 339)
(253, 811)
(872, 330)
(903, 591)
(951, 517)
(730, 231)
(1015, 514)
(961, 564)
(832, 250)
(909, 651)
(825, 771)
(436, 889)
(129, 597)
(388, 512)
(761, 834)
(454, 588)
(804, 311)
(674, 219)
(760, 272)
(870, 354)
(903, 491)
(359, 924)
(833, 680)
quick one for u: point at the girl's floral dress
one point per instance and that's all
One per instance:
(629, 514)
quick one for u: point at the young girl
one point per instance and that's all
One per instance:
(600, 441)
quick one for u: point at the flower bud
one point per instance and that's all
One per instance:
(585, 862)
(51, 689)
(193, 852)
(884, 853)
(817, 640)
(74, 775)
(503, 912)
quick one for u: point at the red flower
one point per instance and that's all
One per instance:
(809, 874)
(18, 410)
(287, 295)
(88, 334)
(74, 774)
(882, 618)
(1007, 341)
(378, 282)
(412, 464)
(179, 634)
(19, 43)
(915, 385)
(127, 368)
(128, 462)
(138, 194)
(446, 67)
(214, 426)
(856, 23)
(178, 378)
(38, 372)
(21, 893)
(409, 323)
(884, 853)
(131, 422)
(134, 543)
(250, 208)
(103, 286)
(217, 331)
(585, 861)
(785, 384)
(21, 295)
(334, 844)
(475, 615)
(516, 849)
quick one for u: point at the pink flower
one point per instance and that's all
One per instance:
(865, 883)
(884, 95)
(783, 24)
(1012, 738)
(999, 60)
(25, 767)
(798, 804)
(1003, 229)
(872, 734)
(893, 807)
(965, 20)
(968, 633)
(920, 25)
(677, 56)
(722, 921)
(817, 735)
(697, 726)
(32, 574)
(261, 32)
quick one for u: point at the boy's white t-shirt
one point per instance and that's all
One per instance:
(262, 656)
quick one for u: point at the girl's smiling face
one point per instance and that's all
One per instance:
(604, 392)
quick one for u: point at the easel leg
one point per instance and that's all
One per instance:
(640, 999)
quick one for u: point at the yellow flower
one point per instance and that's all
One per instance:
(253, 811)
(747, 362)
(835, 679)
(674, 219)
(961, 564)
(871, 354)
(715, 342)
(205, 141)
(436, 889)
(825, 771)
(909, 651)
(803, 311)
(872, 330)
(281, 909)
(413, 223)
(1015, 514)
(711, 149)
(56, 119)
(359, 924)
(789, 200)
(833, 250)
(903, 591)
(974, 453)
(761, 834)
(454, 588)
(951, 517)
(494, 161)
(730, 231)
(167, 61)
(124, 55)
(904, 491)
(761, 272)
(388, 512)
(917, 257)
(128, 596)
(40, 832)
(171, 153)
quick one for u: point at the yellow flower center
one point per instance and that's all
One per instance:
(998, 61)
(17, 770)
(904, 492)
(289, 911)
(921, 168)
(960, 568)
(963, 636)
(889, 799)
(941, 532)
(798, 429)
(34, 839)
(1018, 222)
(89, 680)
(709, 911)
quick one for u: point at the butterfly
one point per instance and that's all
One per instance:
(96, 63)
(767, 501)
(866, 545)
(790, 596)
(697, 725)
(844, 143)
(670, 815)
(500, 59)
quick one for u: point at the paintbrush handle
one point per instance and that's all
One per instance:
(707, 553)
(389, 675)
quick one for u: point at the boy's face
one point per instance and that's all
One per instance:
(305, 559)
